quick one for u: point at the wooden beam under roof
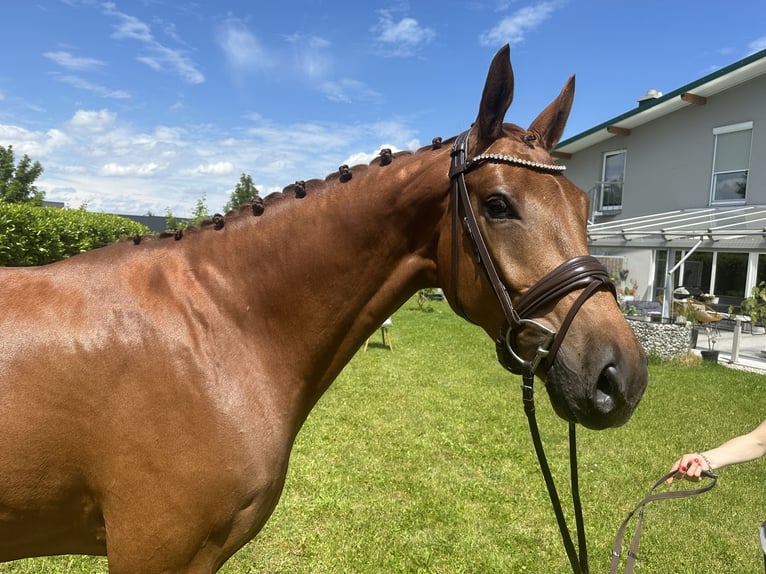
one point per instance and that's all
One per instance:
(561, 155)
(690, 98)
(618, 131)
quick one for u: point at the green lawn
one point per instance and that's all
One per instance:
(420, 461)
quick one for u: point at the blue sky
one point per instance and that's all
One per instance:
(147, 105)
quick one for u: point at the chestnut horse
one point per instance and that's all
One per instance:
(150, 394)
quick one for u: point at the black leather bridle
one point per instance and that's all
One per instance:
(583, 273)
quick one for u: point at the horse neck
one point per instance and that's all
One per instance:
(319, 274)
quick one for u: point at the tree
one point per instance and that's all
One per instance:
(201, 211)
(244, 192)
(17, 181)
(171, 222)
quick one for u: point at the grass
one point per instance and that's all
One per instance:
(420, 461)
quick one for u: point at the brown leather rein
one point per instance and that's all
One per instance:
(584, 273)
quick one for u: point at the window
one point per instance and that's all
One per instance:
(731, 159)
(612, 177)
(731, 274)
(660, 271)
(698, 270)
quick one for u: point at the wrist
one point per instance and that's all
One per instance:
(707, 461)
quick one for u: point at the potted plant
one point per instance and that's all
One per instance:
(709, 298)
(629, 310)
(701, 316)
(685, 314)
(753, 306)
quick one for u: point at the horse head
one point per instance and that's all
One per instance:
(520, 267)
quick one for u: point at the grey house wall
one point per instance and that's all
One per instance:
(669, 160)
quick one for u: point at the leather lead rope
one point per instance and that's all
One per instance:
(630, 562)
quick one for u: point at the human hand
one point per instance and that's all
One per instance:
(690, 466)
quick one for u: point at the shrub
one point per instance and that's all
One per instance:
(32, 235)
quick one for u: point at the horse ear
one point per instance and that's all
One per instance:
(550, 124)
(495, 101)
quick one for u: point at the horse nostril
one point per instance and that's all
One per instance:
(607, 387)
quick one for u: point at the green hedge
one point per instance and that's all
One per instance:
(32, 235)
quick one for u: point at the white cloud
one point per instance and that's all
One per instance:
(403, 37)
(348, 90)
(37, 145)
(757, 45)
(363, 158)
(314, 60)
(96, 158)
(312, 55)
(175, 59)
(513, 29)
(159, 56)
(140, 170)
(81, 64)
(92, 120)
(129, 26)
(83, 84)
(217, 168)
(71, 62)
(241, 47)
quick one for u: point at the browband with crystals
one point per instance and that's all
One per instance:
(518, 161)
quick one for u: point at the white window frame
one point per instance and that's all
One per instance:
(604, 183)
(739, 127)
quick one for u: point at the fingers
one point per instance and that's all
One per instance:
(695, 469)
(675, 469)
(689, 466)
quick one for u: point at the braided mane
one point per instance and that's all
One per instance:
(298, 190)
(301, 189)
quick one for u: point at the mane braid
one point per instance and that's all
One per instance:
(297, 190)
(517, 161)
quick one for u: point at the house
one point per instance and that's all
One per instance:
(677, 186)
(155, 223)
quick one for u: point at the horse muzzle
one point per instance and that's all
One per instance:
(598, 386)
(602, 392)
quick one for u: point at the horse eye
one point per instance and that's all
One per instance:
(499, 208)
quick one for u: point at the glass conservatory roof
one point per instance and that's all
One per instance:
(740, 228)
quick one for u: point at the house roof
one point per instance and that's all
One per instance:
(653, 108)
(741, 228)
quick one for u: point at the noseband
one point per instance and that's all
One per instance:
(584, 273)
